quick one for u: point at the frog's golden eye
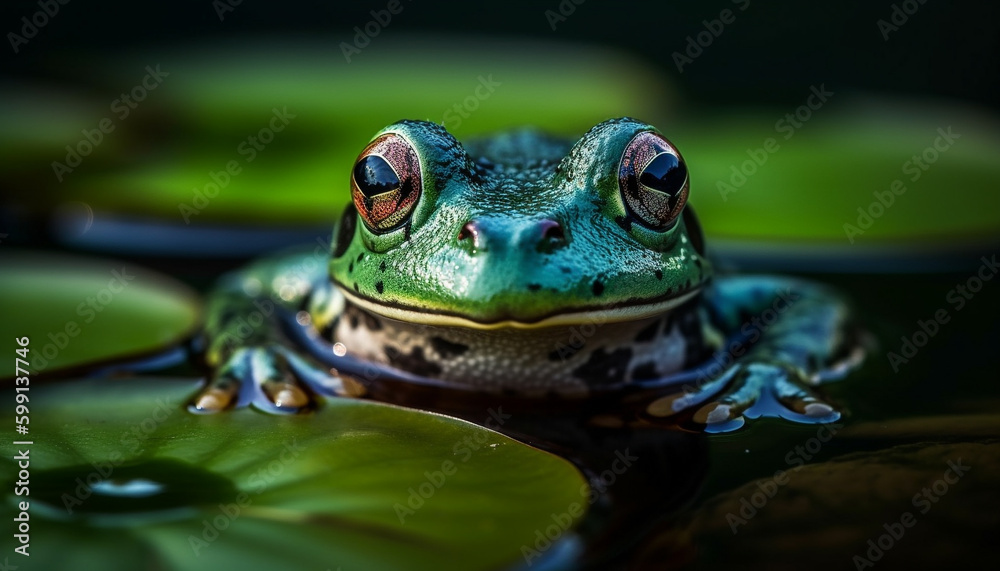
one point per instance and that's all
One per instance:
(386, 183)
(653, 181)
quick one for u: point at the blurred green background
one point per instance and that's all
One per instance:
(792, 116)
(719, 80)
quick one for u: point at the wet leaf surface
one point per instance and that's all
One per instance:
(124, 478)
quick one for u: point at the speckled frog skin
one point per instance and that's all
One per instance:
(528, 265)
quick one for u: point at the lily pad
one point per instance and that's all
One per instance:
(77, 311)
(324, 108)
(814, 182)
(357, 485)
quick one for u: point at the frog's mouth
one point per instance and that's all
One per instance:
(611, 313)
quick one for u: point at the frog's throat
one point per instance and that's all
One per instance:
(606, 314)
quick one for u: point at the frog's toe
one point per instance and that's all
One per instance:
(266, 378)
(800, 402)
(726, 412)
(765, 390)
(689, 397)
(278, 388)
(223, 389)
(220, 394)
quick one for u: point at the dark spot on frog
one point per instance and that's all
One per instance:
(414, 362)
(603, 368)
(379, 286)
(345, 230)
(361, 256)
(659, 274)
(565, 269)
(645, 372)
(694, 231)
(649, 332)
(330, 328)
(350, 268)
(597, 287)
(381, 267)
(624, 222)
(356, 287)
(371, 322)
(690, 326)
(447, 349)
(534, 287)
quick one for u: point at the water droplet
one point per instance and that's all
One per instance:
(303, 318)
(136, 488)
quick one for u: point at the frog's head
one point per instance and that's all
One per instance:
(520, 229)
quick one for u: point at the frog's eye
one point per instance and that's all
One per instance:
(653, 181)
(386, 183)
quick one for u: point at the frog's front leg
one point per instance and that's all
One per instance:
(795, 335)
(251, 359)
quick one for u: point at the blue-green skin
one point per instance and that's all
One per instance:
(513, 282)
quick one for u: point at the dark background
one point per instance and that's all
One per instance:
(948, 49)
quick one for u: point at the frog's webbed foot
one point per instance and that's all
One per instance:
(748, 391)
(272, 379)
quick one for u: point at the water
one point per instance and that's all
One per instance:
(905, 478)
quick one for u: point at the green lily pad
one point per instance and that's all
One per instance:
(357, 485)
(77, 310)
(216, 98)
(815, 181)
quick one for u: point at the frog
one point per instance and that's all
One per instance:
(529, 265)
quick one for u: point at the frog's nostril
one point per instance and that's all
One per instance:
(552, 231)
(469, 230)
(552, 237)
(471, 236)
